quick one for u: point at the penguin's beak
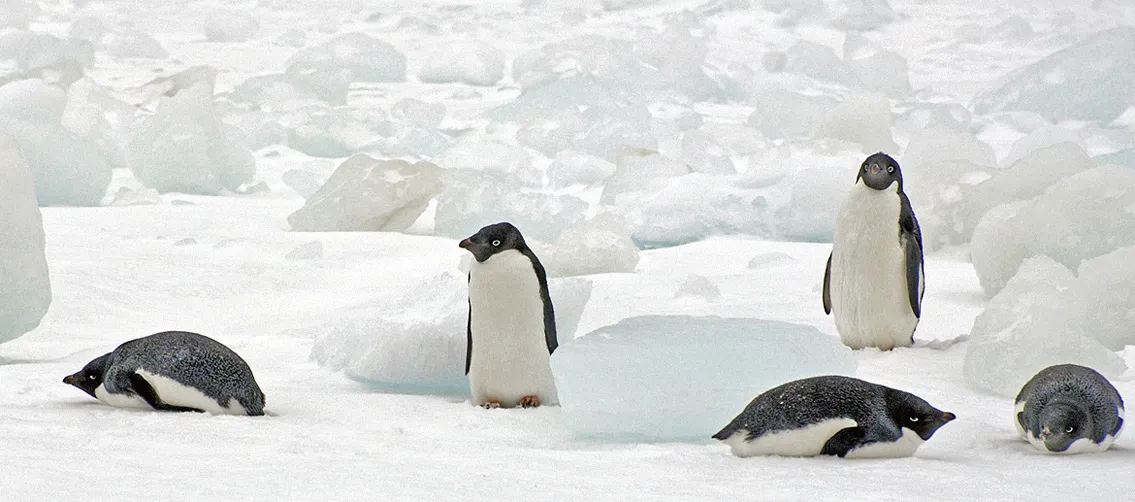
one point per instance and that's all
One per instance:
(466, 244)
(69, 379)
(876, 169)
(1045, 434)
(947, 416)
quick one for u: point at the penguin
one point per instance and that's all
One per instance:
(833, 415)
(172, 371)
(874, 280)
(1068, 409)
(511, 329)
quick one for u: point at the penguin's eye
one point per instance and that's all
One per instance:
(913, 419)
(1069, 429)
(891, 169)
(92, 377)
(864, 167)
(496, 243)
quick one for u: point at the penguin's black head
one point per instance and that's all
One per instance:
(1062, 423)
(494, 239)
(90, 377)
(879, 171)
(914, 413)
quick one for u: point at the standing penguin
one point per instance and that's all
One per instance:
(833, 415)
(512, 327)
(172, 371)
(874, 279)
(1069, 409)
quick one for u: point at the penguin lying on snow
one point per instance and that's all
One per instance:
(511, 332)
(1069, 409)
(172, 371)
(874, 278)
(833, 415)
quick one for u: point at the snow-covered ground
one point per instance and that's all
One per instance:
(220, 265)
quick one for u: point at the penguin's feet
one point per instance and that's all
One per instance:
(529, 402)
(491, 405)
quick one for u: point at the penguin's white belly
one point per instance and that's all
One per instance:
(868, 284)
(175, 393)
(806, 441)
(120, 400)
(904, 446)
(510, 357)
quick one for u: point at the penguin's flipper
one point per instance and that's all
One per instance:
(146, 391)
(828, 286)
(844, 441)
(550, 336)
(469, 339)
(910, 236)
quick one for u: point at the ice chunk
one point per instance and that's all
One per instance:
(600, 245)
(134, 44)
(1091, 80)
(17, 13)
(230, 26)
(183, 147)
(473, 63)
(68, 171)
(689, 208)
(303, 182)
(418, 342)
(1080, 217)
(294, 90)
(365, 194)
(703, 155)
(885, 71)
(1105, 298)
(473, 199)
(418, 113)
(38, 50)
(1125, 158)
(322, 131)
(95, 115)
(1041, 137)
(364, 58)
(863, 118)
(25, 291)
(698, 286)
(1027, 327)
(613, 5)
(481, 153)
(863, 15)
(633, 172)
(690, 374)
(600, 130)
(950, 116)
(784, 114)
(811, 212)
(573, 168)
(821, 63)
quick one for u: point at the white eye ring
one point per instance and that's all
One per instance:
(90, 377)
(1069, 429)
(891, 169)
(496, 243)
(913, 419)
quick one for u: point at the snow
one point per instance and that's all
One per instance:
(1090, 80)
(704, 85)
(691, 374)
(183, 147)
(25, 292)
(230, 26)
(68, 171)
(367, 194)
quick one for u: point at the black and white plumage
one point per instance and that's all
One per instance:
(1069, 408)
(833, 415)
(172, 371)
(874, 281)
(511, 330)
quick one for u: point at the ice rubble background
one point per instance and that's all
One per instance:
(197, 164)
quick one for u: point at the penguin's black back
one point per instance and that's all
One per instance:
(1080, 384)
(810, 401)
(191, 359)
